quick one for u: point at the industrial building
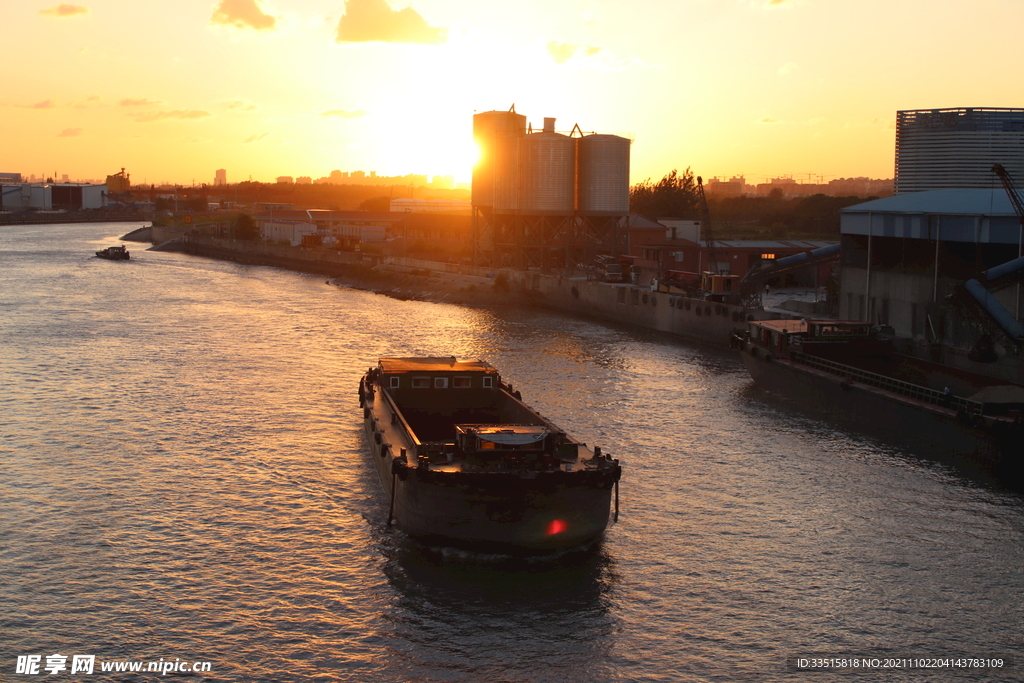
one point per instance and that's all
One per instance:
(906, 257)
(52, 196)
(940, 149)
(119, 184)
(450, 206)
(545, 199)
(341, 228)
(734, 257)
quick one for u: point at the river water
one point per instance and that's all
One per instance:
(184, 478)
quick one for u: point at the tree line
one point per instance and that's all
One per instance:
(776, 216)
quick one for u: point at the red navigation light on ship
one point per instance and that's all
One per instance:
(556, 526)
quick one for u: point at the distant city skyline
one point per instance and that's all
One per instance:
(763, 88)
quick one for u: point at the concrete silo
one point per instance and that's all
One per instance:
(544, 199)
(602, 180)
(495, 134)
(547, 172)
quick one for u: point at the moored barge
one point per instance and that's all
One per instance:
(851, 370)
(465, 463)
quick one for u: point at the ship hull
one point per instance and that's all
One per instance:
(495, 513)
(512, 512)
(925, 427)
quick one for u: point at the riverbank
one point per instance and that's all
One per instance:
(401, 278)
(405, 279)
(59, 217)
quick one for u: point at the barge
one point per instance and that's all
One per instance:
(465, 463)
(852, 371)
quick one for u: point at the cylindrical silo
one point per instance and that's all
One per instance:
(488, 128)
(505, 172)
(547, 173)
(603, 175)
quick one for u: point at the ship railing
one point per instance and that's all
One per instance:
(401, 419)
(896, 386)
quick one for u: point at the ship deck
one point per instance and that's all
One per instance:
(397, 433)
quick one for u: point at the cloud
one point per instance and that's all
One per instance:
(787, 68)
(374, 20)
(563, 52)
(136, 102)
(256, 138)
(45, 104)
(150, 116)
(344, 114)
(768, 119)
(242, 14)
(590, 57)
(64, 10)
(90, 101)
(239, 105)
(70, 133)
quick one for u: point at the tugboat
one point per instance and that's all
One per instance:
(466, 464)
(118, 253)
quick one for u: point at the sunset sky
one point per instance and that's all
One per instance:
(174, 90)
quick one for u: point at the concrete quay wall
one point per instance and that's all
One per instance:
(157, 234)
(322, 261)
(91, 216)
(674, 314)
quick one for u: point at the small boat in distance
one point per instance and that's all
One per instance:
(118, 253)
(465, 463)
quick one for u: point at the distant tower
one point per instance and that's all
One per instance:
(220, 177)
(940, 149)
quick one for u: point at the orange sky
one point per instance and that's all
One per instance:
(173, 91)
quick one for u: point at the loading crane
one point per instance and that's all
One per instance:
(1011, 272)
(975, 297)
(709, 235)
(752, 283)
(746, 291)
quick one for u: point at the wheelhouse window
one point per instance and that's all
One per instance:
(440, 382)
(461, 383)
(488, 382)
(396, 382)
(420, 382)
